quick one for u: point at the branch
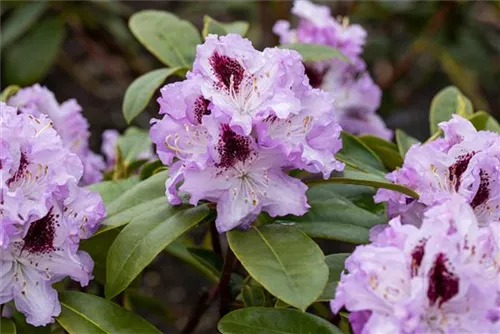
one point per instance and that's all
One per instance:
(203, 303)
(224, 287)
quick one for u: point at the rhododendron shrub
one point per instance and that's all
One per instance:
(251, 158)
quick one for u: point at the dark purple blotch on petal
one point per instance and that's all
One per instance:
(227, 69)
(23, 165)
(459, 167)
(40, 236)
(416, 258)
(201, 108)
(483, 192)
(443, 284)
(232, 147)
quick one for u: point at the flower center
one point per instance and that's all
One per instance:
(443, 284)
(232, 148)
(227, 70)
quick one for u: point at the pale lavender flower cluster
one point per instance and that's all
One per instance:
(464, 161)
(238, 124)
(44, 214)
(441, 277)
(357, 97)
(68, 121)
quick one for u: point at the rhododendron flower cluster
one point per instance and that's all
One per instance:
(69, 123)
(357, 97)
(465, 161)
(44, 214)
(440, 278)
(238, 124)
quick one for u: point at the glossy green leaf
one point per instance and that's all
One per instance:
(172, 40)
(212, 26)
(140, 92)
(98, 246)
(335, 263)
(133, 142)
(254, 294)
(84, 313)
(337, 209)
(111, 190)
(404, 142)
(20, 20)
(19, 64)
(22, 327)
(270, 254)
(144, 238)
(148, 168)
(8, 92)
(261, 320)
(358, 155)
(385, 150)
(142, 197)
(315, 52)
(352, 176)
(334, 231)
(151, 305)
(7, 326)
(447, 102)
(484, 121)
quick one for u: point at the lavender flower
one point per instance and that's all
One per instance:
(238, 124)
(68, 121)
(357, 97)
(439, 278)
(464, 161)
(44, 215)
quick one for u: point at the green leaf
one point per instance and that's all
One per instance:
(144, 238)
(334, 231)
(20, 20)
(212, 26)
(261, 320)
(7, 326)
(269, 253)
(358, 155)
(140, 92)
(111, 190)
(149, 304)
(133, 142)
(172, 40)
(142, 197)
(84, 313)
(447, 102)
(30, 58)
(98, 246)
(337, 209)
(207, 258)
(254, 294)
(484, 121)
(404, 142)
(351, 176)
(149, 168)
(315, 52)
(385, 150)
(8, 92)
(335, 263)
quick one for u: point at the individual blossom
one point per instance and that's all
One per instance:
(464, 162)
(439, 278)
(357, 97)
(237, 125)
(44, 215)
(69, 122)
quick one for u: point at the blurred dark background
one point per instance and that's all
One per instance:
(84, 50)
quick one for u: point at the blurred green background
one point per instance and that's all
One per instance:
(83, 49)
